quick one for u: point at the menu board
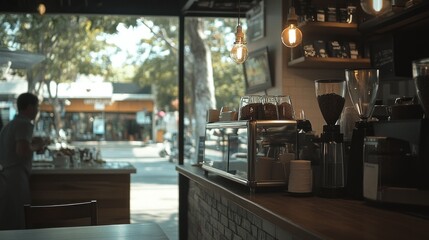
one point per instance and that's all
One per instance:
(382, 56)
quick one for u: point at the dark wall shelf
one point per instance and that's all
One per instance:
(396, 39)
(333, 30)
(321, 28)
(412, 17)
(331, 63)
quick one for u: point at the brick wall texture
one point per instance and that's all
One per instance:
(214, 217)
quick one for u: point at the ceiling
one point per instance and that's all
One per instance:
(206, 8)
(132, 7)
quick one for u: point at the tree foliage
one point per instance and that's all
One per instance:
(159, 64)
(162, 69)
(67, 41)
(77, 44)
(228, 76)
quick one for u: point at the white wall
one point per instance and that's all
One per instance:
(296, 82)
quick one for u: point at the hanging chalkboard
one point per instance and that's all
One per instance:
(393, 53)
(382, 56)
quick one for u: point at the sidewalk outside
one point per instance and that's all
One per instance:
(154, 188)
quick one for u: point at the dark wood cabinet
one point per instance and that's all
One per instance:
(415, 17)
(396, 39)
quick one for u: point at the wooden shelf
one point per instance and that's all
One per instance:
(415, 16)
(345, 29)
(332, 30)
(332, 63)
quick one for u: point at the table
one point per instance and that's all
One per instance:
(107, 182)
(149, 231)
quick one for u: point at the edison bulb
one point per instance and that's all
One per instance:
(376, 7)
(41, 9)
(291, 36)
(239, 53)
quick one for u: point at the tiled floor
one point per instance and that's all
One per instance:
(154, 188)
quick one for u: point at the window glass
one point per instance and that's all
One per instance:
(212, 79)
(121, 71)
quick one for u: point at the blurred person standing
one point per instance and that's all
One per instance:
(16, 153)
(172, 122)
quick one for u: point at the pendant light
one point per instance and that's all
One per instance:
(291, 35)
(239, 50)
(376, 7)
(41, 8)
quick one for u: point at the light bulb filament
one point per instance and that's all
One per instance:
(377, 5)
(292, 34)
(240, 52)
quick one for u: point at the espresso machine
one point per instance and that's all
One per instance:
(254, 153)
(396, 157)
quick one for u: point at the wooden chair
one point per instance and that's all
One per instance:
(61, 215)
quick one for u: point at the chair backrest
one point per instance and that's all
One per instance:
(61, 215)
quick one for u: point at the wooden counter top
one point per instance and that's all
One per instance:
(47, 167)
(314, 217)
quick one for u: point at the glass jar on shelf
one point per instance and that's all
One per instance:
(285, 108)
(270, 109)
(250, 108)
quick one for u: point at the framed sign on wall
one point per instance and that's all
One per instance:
(257, 74)
(256, 22)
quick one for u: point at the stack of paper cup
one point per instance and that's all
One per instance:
(300, 177)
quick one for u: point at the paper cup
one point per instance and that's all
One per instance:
(300, 177)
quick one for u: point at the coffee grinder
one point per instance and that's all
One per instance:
(362, 86)
(396, 166)
(420, 71)
(330, 97)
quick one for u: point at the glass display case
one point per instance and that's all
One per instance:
(255, 153)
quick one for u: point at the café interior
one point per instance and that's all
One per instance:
(354, 166)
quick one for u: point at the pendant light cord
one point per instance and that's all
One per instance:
(239, 12)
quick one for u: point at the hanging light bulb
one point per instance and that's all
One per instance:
(41, 9)
(376, 7)
(239, 50)
(291, 35)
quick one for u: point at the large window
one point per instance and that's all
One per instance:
(212, 79)
(124, 49)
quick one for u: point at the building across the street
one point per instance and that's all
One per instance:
(90, 110)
